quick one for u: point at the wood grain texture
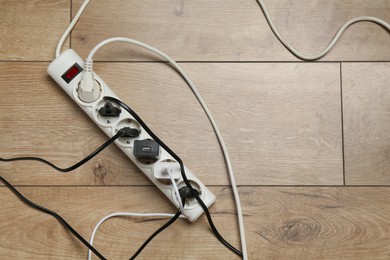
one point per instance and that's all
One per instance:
(366, 96)
(28, 234)
(281, 123)
(281, 223)
(233, 30)
(317, 223)
(30, 29)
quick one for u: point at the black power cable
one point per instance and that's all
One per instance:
(170, 222)
(121, 132)
(53, 214)
(183, 174)
(183, 195)
(75, 166)
(71, 168)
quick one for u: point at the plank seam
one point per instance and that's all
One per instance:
(342, 120)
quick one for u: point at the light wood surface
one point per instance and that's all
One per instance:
(366, 92)
(233, 30)
(300, 135)
(282, 223)
(30, 30)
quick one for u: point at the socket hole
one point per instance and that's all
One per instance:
(147, 161)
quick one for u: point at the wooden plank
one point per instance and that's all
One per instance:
(233, 30)
(281, 223)
(30, 29)
(281, 123)
(317, 223)
(366, 99)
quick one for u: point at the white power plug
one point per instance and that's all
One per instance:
(89, 88)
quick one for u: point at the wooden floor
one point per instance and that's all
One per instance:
(309, 142)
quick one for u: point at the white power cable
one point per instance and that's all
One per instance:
(210, 117)
(176, 189)
(70, 27)
(202, 103)
(124, 214)
(376, 20)
(192, 86)
(333, 41)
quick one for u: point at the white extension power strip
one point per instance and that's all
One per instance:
(67, 70)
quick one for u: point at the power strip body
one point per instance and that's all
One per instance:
(66, 70)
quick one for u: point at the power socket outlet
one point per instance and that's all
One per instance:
(66, 70)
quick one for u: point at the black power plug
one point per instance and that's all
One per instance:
(109, 110)
(130, 132)
(187, 193)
